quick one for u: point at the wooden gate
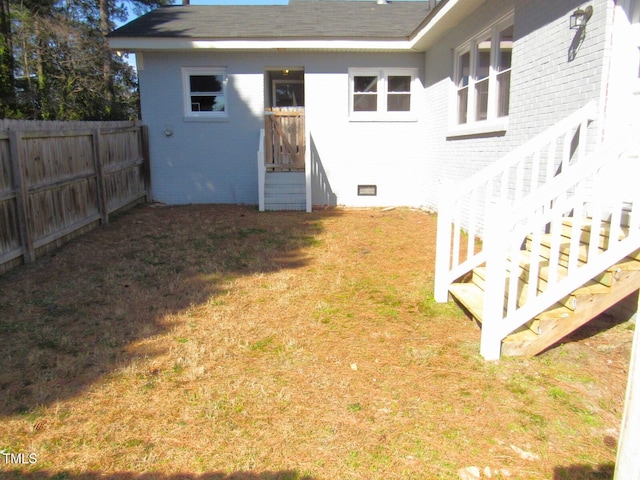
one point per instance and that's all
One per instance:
(284, 138)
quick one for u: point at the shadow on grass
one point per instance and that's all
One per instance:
(64, 475)
(584, 472)
(87, 310)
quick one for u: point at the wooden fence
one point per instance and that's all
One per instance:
(59, 180)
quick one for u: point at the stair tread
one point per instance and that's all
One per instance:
(592, 287)
(570, 312)
(512, 344)
(605, 227)
(627, 264)
(583, 246)
(470, 296)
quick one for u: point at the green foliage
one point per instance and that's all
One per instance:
(55, 63)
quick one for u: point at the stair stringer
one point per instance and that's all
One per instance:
(551, 331)
(565, 287)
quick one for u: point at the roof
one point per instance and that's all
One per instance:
(300, 19)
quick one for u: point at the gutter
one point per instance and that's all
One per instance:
(145, 44)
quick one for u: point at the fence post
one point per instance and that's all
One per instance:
(146, 165)
(22, 197)
(97, 161)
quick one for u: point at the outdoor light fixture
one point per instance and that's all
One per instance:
(285, 71)
(578, 19)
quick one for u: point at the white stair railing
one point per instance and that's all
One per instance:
(462, 207)
(600, 195)
(262, 171)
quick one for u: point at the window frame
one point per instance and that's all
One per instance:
(382, 112)
(493, 123)
(274, 88)
(189, 114)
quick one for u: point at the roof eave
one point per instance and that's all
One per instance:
(134, 44)
(445, 17)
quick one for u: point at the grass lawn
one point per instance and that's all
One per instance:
(216, 342)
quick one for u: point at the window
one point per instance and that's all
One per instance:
(288, 93)
(482, 78)
(205, 92)
(381, 94)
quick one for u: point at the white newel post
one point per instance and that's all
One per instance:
(443, 244)
(628, 459)
(496, 247)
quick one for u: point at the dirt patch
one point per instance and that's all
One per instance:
(216, 342)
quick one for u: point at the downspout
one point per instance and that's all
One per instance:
(606, 75)
(627, 465)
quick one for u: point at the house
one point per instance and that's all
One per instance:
(395, 97)
(327, 102)
(208, 73)
(517, 120)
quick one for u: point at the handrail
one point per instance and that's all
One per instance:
(262, 171)
(599, 194)
(518, 174)
(576, 119)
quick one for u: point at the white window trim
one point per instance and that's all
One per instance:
(493, 123)
(381, 114)
(635, 35)
(189, 115)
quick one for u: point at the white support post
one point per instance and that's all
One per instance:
(308, 174)
(262, 171)
(492, 313)
(628, 459)
(443, 245)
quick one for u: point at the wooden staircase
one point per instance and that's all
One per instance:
(560, 237)
(570, 312)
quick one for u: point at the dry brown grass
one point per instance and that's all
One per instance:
(214, 342)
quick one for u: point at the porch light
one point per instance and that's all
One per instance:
(578, 19)
(285, 71)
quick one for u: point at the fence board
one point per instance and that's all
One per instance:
(10, 246)
(59, 179)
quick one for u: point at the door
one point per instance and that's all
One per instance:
(285, 135)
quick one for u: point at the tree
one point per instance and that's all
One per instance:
(55, 62)
(7, 84)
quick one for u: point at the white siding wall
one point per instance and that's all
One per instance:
(387, 154)
(203, 161)
(623, 89)
(546, 85)
(215, 162)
